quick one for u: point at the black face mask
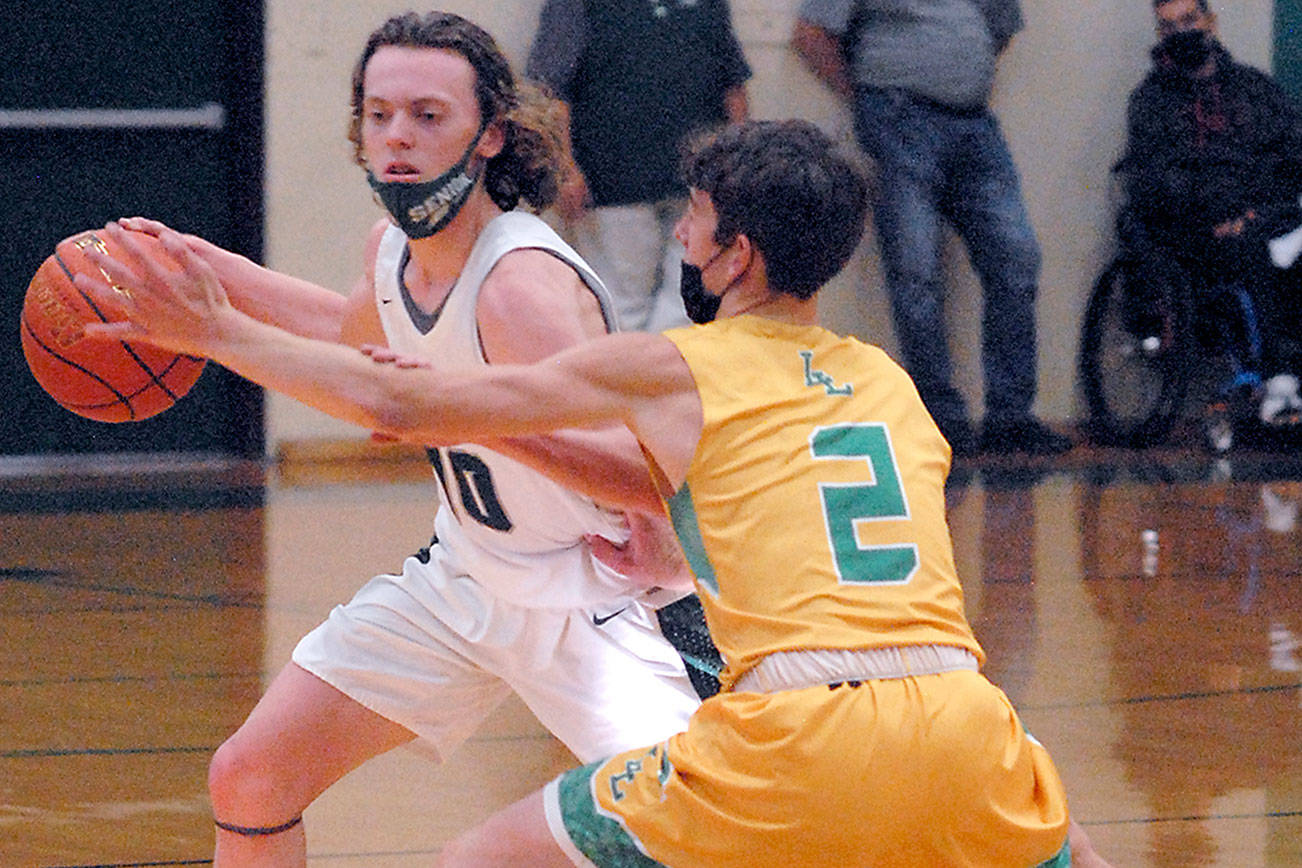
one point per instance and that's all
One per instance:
(1187, 50)
(700, 305)
(422, 208)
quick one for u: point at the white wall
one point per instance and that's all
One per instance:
(1060, 95)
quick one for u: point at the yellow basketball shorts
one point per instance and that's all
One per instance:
(931, 770)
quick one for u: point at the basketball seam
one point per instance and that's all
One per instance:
(122, 398)
(145, 387)
(125, 346)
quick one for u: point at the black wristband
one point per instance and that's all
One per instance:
(257, 831)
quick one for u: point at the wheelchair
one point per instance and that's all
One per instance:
(1160, 345)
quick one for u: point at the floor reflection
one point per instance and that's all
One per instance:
(1189, 580)
(1143, 612)
(1204, 659)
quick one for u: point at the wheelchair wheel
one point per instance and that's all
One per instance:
(1135, 357)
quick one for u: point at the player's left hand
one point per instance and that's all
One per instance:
(386, 356)
(651, 558)
(177, 305)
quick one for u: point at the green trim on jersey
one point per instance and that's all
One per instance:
(598, 835)
(1062, 860)
(682, 512)
(1286, 56)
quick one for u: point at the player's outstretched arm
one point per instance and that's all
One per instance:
(593, 463)
(282, 300)
(636, 379)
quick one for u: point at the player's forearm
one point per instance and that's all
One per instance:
(607, 465)
(821, 54)
(420, 405)
(325, 375)
(189, 310)
(291, 303)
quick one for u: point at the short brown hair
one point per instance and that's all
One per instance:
(784, 185)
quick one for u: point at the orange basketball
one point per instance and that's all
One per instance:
(109, 381)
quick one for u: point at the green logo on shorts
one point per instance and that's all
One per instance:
(597, 833)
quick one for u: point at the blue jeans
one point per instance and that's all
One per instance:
(936, 165)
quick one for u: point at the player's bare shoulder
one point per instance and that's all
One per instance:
(371, 250)
(534, 304)
(361, 322)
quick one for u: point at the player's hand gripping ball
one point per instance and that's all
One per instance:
(105, 380)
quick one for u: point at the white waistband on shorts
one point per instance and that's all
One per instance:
(795, 670)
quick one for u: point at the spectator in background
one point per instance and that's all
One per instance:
(1213, 170)
(637, 78)
(918, 76)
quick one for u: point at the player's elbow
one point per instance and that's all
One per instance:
(809, 41)
(393, 408)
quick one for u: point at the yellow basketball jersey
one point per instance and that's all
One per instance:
(813, 514)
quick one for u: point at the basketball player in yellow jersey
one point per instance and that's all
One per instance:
(839, 480)
(804, 480)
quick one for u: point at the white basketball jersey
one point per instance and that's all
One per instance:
(515, 531)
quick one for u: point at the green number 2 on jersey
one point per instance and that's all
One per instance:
(846, 505)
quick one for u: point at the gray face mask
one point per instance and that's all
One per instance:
(420, 209)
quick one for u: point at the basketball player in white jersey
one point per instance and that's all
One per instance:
(508, 596)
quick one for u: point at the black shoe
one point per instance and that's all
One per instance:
(1026, 436)
(962, 440)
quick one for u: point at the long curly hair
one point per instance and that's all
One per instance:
(532, 157)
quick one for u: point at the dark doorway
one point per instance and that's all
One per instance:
(119, 109)
(1288, 47)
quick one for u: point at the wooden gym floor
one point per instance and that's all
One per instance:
(144, 603)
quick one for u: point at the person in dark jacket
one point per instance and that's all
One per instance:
(637, 81)
(1213, 170)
